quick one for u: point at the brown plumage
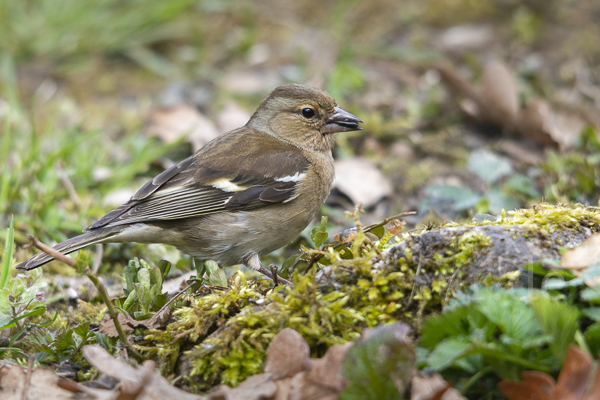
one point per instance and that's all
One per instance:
(244, 194)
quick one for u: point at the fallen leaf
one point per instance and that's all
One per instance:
(433, 387)
(346, 236)
(43, 384)
(327, 371)
(584, 255)
(540, 122)
(395, 226)
(256, 387)
(580, 258)
(232, 117)
(182, 121)
(499, 94)
(361, 180)
(250, 81)
(107, 326)
(136, 383)
(496, 101)
(288, 355)
(571, 384)
(463, 38)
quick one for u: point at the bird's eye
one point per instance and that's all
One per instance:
(308, 112)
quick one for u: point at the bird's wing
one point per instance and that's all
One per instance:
(264, 170)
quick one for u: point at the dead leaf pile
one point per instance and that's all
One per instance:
(496, 102)
(571, 384)
(290, 374)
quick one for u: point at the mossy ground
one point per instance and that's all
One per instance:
(222, 337)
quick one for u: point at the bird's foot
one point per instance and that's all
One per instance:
(253, 262)
(272, 273)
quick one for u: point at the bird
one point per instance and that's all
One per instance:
(243, 195)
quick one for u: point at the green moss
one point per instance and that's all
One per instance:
(460, 252)
(550, 218)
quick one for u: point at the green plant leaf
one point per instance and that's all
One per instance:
(386, 353)
(165, 267)
(218, 278)
(592, 313)
(558, 320)
(289, 263)
(498, 201)
(489, 166)
(7, 258)
(509, 312)
(319, 233)
(448, 351)
(522, 184)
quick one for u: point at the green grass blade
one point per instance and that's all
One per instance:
(9, 248)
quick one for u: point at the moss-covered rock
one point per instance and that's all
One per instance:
(223, 337)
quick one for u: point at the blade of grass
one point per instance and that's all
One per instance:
(9, 248)
(6, 175)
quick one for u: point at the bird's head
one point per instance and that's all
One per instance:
(304, 116)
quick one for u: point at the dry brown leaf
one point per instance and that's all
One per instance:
(460, 86)
(141, 383)
(499, 94)
(572, 381)
(107, 326)
(462, 38)
(173, 123)
(395, 226)
(361, 180)
(583, 256)
(327, 371)
(256, 387)
(497, 102)
(540, 122)
(288, 355)
(346, 236)
(42, 385)
(232, 117)
(301, 388)
(433, 387)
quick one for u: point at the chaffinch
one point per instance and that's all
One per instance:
(246, 193)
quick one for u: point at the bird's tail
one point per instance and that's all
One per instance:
(70, 245)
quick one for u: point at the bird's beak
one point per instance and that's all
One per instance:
(342, 121)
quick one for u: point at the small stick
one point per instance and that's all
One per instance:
(28, 378)
(97, 283)
(98, 260)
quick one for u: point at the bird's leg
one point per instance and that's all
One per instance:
(252, 261)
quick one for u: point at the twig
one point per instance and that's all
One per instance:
(64, 178)
(98, 259)
(28, 378)
(99, 286)
(412, 293)
(151, 322)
